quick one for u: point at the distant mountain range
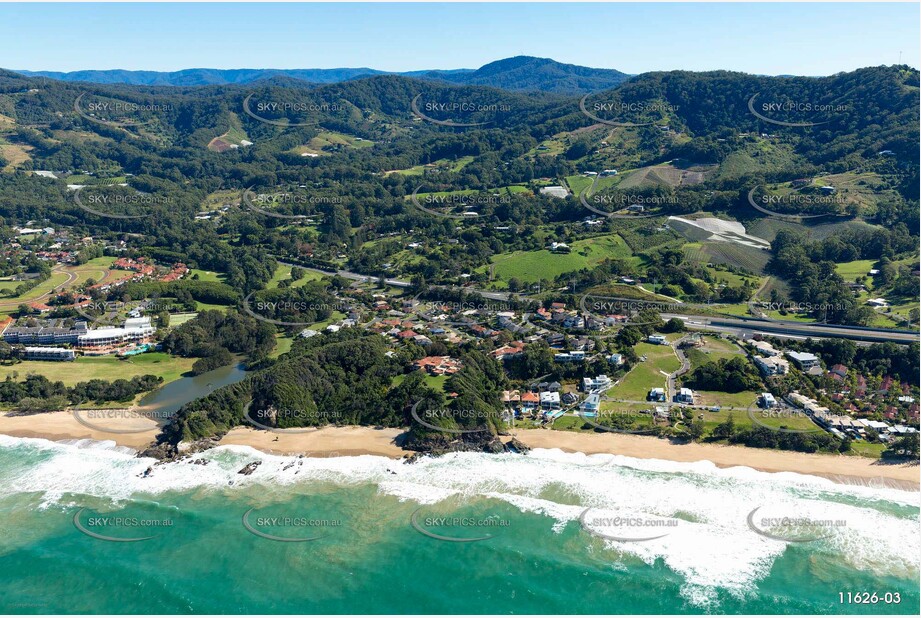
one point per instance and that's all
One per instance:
(521, 73)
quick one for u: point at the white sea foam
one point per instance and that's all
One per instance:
(712, 548)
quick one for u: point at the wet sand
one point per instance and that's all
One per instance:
(138, 432)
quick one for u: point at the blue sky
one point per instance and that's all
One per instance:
(768, 38)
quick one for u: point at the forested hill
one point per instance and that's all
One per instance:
(535, 74)
(371, 149)
(522, 73)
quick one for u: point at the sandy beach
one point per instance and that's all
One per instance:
(138, 432)
(841, 468)
(325, 442)
(125, 428)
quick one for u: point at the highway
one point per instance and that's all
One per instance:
(736, 326)
(794, 329)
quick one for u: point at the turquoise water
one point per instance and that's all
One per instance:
(369, 557)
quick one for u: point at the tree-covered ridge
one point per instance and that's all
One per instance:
(349, 378)
(519, 73)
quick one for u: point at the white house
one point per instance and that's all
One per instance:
(600, 382)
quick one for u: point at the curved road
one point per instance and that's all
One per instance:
(727, 325)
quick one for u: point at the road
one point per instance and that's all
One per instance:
(398, 283)
(671, 391)
(794, 329)
(735, 326)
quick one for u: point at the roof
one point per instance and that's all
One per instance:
(802, 356)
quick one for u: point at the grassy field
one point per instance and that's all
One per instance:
(760, 155)
(732, 279)
(284, 272)
(178, 319)
(445, 164)
(9, 305)
(434, 382)
(713, 350)
(282, 345)
(206, 275)
(646, 375)
(14, 154)
(536, 265)
(743, 399)
(326, 139)
(849, 271)
(200, 306)
(743, 420)
(219, 198)
(103, 368)
(867, 449)
(579, 183)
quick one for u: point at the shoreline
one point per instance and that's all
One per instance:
(137, 433)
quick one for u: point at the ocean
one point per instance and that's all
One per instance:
(83, 529)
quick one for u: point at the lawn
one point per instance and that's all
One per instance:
(283, 272)
(535, 265)
(56, 279)
(849, 271)
(743, 420)
(103, 368)
(434, 382)
(646, 375)
(200, 306)
(743, 399)
(444, 164)
(577, 184)
(178, 319)
(282, 345)
(713, 350)
(326, 139)
(206, 275)
(867, 449)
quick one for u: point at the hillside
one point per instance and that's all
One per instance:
(522, 73)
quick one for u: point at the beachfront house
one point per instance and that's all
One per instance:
(591, 404)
